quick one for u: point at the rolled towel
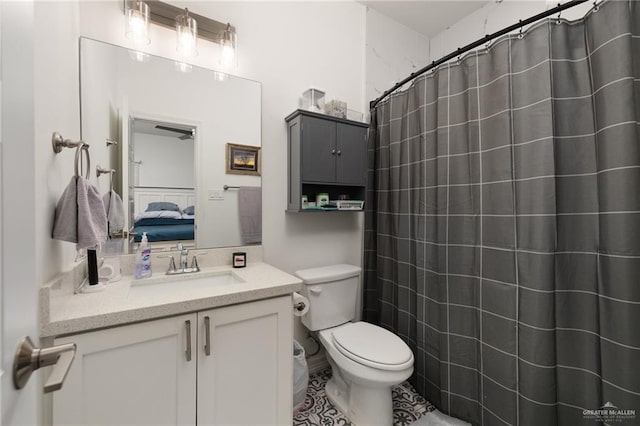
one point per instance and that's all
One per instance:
(80, 215)
(115, 211)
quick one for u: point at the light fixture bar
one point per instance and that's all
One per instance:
(165, 15)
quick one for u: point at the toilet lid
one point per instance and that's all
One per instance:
(373, 346)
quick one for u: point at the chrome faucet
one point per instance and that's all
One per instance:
(184, 255)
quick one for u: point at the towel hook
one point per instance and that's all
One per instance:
(58, 142)
(101, 171)
(82, 147)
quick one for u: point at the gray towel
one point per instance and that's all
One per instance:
(250, 209)
(115, 211)
(80, 216)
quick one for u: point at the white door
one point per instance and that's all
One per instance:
(19, 304)
(139, 374)
(246, 377)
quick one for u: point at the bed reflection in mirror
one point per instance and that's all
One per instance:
(163, 190)
(173, 128)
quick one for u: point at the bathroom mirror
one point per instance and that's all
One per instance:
(172, 123)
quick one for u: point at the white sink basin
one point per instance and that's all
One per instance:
(197, 281)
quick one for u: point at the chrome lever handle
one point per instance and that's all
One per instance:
(29, 358)
(60, 371)
(194, 260)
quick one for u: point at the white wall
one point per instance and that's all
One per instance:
(56, 108)
(167, 161)
(288, 47)
(491, 18)
(393, 52)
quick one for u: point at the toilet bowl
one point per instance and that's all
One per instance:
(366, 360)
(363, 375)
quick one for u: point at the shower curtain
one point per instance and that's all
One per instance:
(502, 232)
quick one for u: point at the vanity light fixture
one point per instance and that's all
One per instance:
(137, 23)
(189, 27)
(187, 35)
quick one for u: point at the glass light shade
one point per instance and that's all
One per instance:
(228, 49)
(137, 22)
(187, 36)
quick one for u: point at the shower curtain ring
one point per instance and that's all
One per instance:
(520, 33)
(558, 19)
(596, 5)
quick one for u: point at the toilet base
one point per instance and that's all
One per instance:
(363, 406)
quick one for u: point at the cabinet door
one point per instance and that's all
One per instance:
(247, 377)
(318, 150)
(351, 155)
(131, 375)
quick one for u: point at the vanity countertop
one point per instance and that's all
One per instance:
(63, 312)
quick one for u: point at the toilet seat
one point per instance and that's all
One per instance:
(373, 346)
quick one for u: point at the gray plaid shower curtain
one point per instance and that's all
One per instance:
(502, 232)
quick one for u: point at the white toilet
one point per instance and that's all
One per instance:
(366, 360)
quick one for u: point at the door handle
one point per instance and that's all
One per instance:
(187, 325)
(29, 358)
(207, 336)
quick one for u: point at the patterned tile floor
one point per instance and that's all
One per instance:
(408, 406)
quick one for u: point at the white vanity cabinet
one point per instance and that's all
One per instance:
(247, 378)
(140, 374)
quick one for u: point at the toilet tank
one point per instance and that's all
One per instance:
(332, 292)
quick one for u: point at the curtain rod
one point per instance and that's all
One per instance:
(477, 43)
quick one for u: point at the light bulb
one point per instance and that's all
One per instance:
(186, 44)
(228, 56)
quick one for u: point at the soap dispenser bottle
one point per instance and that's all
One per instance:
(143, 259)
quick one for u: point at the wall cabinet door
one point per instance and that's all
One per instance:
(318, 150)
(333, 152)
(351, 152)
(131, 375)
(246, 377)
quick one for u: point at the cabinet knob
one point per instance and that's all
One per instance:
(339, 152)
(333, 152)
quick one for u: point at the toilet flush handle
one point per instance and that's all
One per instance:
(315, 290)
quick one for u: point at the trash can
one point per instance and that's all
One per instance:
(300, 376)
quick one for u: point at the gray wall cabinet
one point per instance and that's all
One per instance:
(325, 154)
